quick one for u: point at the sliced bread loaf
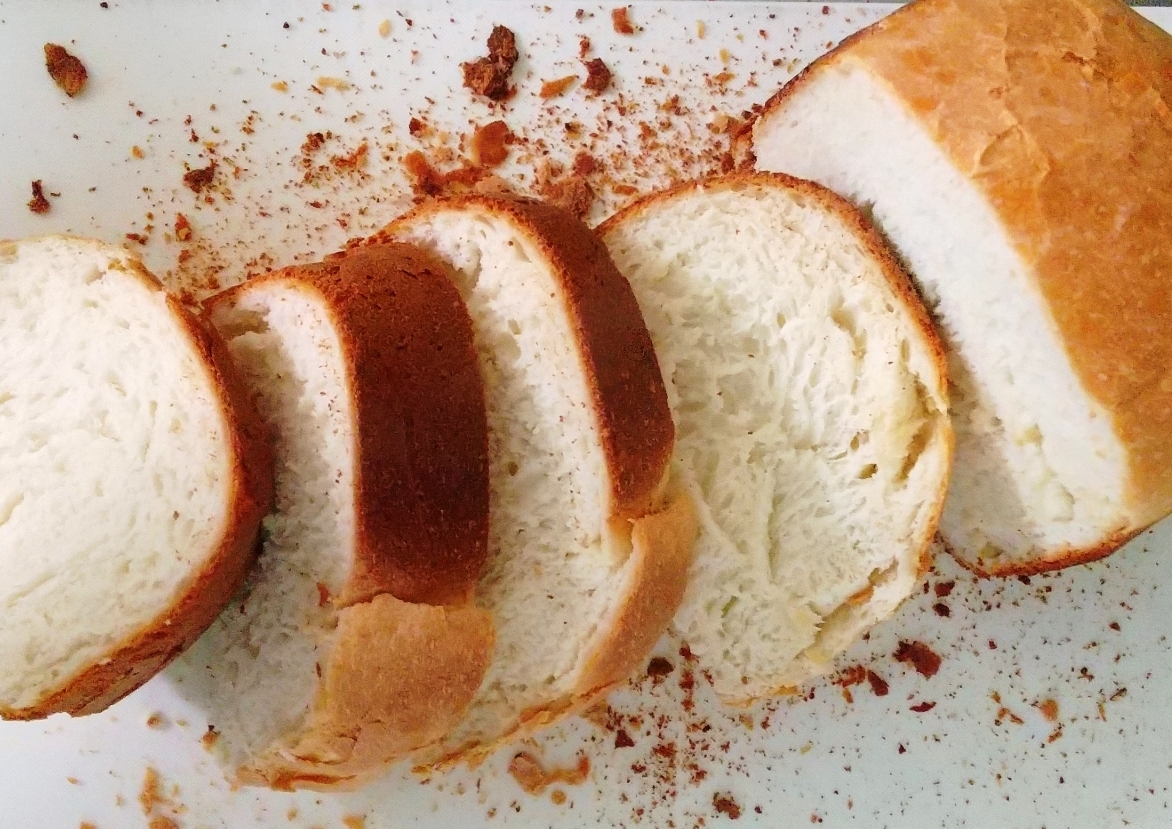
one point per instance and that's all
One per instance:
(809, 396)
(589, 543)
(133, 477)
(354, 642)
(1018, 153)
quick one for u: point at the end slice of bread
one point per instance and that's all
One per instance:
(1018, 155)
(589, 544)
(133, 477)
(810, 402)
(353, 643)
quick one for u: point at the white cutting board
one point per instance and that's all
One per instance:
(1092, 639)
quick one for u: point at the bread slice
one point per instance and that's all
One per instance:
(588, 543)
(809, 396)
(133, 477)
(354, 642)
(1019, 155)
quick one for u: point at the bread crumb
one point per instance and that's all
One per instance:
(724, 804)
(182, 228)
(327, 82)
(209, 738)
(73, 781)
(66, 70)
(38, 203)
(598, 76)
(919, 656)
(384, 28)
(280, 86)
(533, 778)
(1049, 709)
(199, 178)
(621, 20)
(137, 152)
(558, 797)
(701, 29)
(156, 720)
(659, 667)
(85, 824)
(489, 145)
(489, 76)
(354, 821)
(554, 88)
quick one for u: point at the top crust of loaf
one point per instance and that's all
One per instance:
(617, 355)
(155, 644)
(1058, 112)
(428, 548)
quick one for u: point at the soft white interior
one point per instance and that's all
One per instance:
(115, 482)
(1037, 467)
(808, 425)
(548, 582)
(255, 670)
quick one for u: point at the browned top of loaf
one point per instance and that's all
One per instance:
(421, 453)
(158, 641)
(1058, 110)
(619, 361)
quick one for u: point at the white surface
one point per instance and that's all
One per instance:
(819, 757)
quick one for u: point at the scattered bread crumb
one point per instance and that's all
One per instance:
(199, 178)
(280, 86)
(489, 144)
(534, 778)
(156, 720)
(209, 738)
(38, 203)
(489, 76)
(354, 821)
(919, 656)
(66, 70)
(598, 76)
(384, 29)
(554, 88)
(137, 152)
(327, 82)
(621, 19)
(724, 804)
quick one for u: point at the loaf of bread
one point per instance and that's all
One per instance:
(810, 401)
(1019, 155)
(133, 477)
(354, 642)
(589, 541)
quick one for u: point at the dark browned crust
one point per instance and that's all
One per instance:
(622, 371)
(159, 641)
(421, 474)
(1103, 280)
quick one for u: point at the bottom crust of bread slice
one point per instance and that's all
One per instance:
(354, 642)
(589, 545)
(810, 402)
(133, 477)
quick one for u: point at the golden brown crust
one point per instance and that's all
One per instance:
(657, 575)
(621, 368)
(421, 479)
(398, 678)
(1053, 560)
(1058, 112)
(159, 641)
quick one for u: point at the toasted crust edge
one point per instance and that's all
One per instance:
(148, 651)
